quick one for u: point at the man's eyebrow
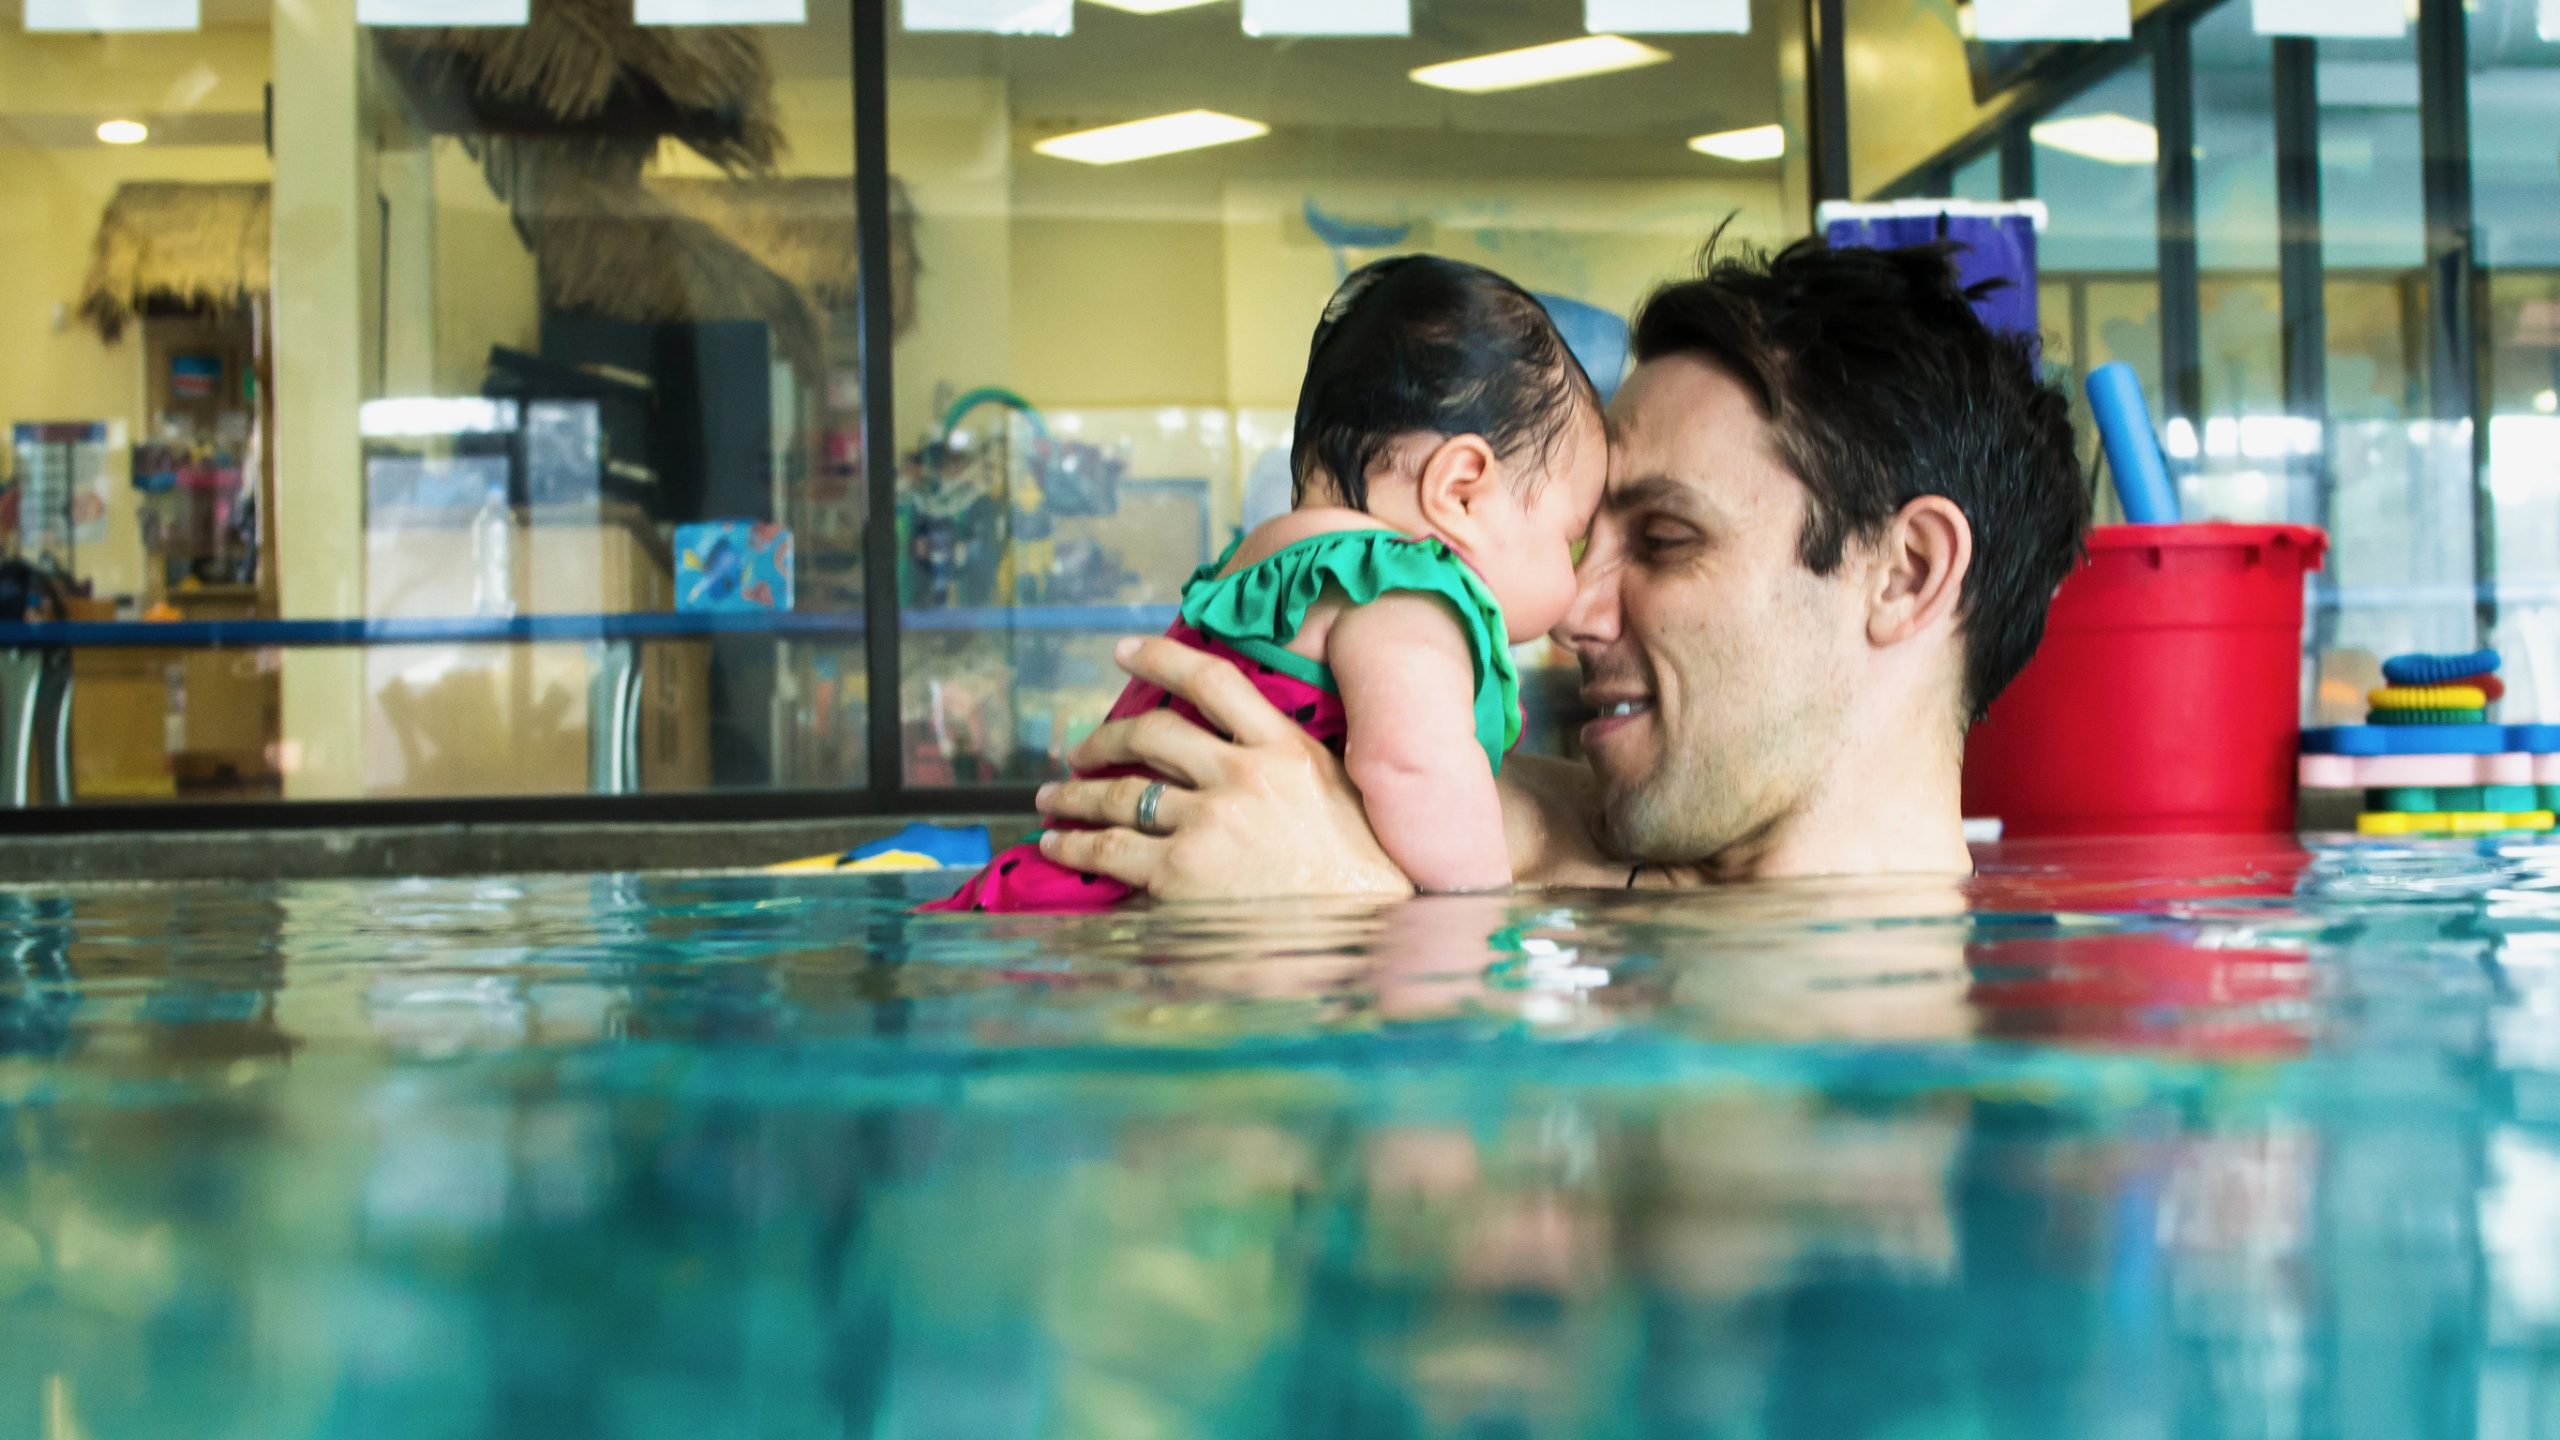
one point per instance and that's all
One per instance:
(1653, 491)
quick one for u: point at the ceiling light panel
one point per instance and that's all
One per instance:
(441, 12)
(95, 15)
(1151, 7)
(2109, 138)
(1760, 142)
(1328, 17)
(1149, 138)
(985, 17)
(1667, 17)
(2011, 20)
(1540, 65)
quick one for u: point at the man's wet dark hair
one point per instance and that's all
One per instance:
(1421, 343)
(1880, 385)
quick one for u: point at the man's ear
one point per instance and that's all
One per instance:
(1922, 560)
(1459, 475)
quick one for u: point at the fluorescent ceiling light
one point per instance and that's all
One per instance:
(720, 12)
(2109, 139)
(1151, 7)
(2333, 19)
(2052, 19)
(983, 17)
(96, 15)
(2547, 21)
(441, 12)
(1147, 139)
(1540, 65)
(435, 415)
(124, 132)
(1328, 17)
(1760, 142)
(1667, 17)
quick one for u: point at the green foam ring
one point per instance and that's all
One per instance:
(2462, 800)
(2550, 797)
(2428, 717)
(2510, 799)
(2402, 800)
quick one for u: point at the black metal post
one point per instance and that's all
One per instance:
(1826, 78)
(2301, 281)
(2017, 162)
(884, 744)
(2453, 364)
(2173, 115)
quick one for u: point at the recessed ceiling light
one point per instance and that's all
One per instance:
(1760, 142)
(2109, 139)
(1151, 7)
(1540, 65)
(1146, 139)
(124, 132)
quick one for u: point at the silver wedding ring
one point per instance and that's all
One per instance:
(1148, 800)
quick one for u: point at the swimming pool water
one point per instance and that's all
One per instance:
(2125, 1142)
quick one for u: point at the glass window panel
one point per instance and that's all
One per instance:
(2515, 115)
(1097, 390)
(1978, 178)
(2243, 469)
(513, 346)
(2099, 264)
(2401, 549)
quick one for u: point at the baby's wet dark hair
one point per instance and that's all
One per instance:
(1422, 343)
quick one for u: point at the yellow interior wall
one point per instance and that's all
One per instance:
(53, 366)
(1119, 312)
(485, 290)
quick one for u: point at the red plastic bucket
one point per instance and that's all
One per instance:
(2167, 697)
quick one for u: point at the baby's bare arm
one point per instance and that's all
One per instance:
(1408, 686)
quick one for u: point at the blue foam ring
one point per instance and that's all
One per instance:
(2133, 448)
(2438, 669)
(2409, 740)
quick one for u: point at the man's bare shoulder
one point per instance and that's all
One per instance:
(1548, 806)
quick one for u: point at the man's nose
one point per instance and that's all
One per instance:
(1591, 621)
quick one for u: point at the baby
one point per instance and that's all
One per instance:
(1449, 456)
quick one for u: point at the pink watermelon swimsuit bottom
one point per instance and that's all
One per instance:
(1248, 618)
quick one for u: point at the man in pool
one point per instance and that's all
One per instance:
(1838, 506)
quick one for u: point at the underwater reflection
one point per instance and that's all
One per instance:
(2133, 1143)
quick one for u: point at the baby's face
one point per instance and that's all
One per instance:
(1529, 563)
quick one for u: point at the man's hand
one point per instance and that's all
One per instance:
(1266, 812)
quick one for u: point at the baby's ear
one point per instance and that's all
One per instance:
(1459, 475)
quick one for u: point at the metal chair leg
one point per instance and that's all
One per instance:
(22, 674)
(613, 718)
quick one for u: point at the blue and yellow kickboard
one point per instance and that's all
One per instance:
(918, 847)
(2433, 740)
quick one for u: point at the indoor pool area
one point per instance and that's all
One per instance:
(2182, 1138)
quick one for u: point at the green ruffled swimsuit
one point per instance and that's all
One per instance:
(1260, 608)
(1249, 617)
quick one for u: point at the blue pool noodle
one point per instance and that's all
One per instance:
(2133, 449)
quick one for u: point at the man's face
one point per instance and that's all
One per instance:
(1721, 666)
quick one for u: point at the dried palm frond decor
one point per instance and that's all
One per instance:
(802, 229)
(170, 245)
(619, 249)
(584, 71)
(564, 114)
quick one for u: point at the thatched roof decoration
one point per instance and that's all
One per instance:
(177, 245)
(583, 68)
(803, 230)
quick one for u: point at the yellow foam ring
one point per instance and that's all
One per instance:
(2533, 820)
(2391, 822)
(2429, 697)
(2478, 824)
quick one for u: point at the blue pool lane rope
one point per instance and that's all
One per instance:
(2133, 448)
